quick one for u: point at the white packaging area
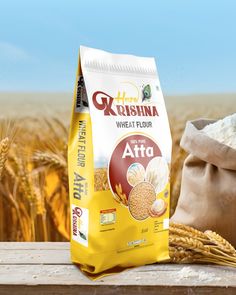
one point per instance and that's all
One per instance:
(123, 78)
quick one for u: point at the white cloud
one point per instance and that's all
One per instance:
(11, 52)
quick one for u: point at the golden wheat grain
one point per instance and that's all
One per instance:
(49, 159)
(184, 249)
(40, 202)
(10, 172)
(4, 149)
(19, 173)
(188, 234)
(224, 245)
(25, 181)
(195, 233)
(188, 243)
(180, 255)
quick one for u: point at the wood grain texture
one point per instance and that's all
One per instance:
(34, 245)
(45, 268)
(111, 290)
(36, 256)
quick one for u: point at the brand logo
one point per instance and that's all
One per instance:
(123, 105)
(76, 213)
(81, 95)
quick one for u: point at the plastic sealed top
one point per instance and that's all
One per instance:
(100, 60)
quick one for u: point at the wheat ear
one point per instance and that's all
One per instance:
(188, 243)
(189, 234)
(49, 159)
(193, 231)
(4, 149)
(223, 245)
(181, 255)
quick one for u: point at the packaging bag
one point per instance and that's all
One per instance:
(119, 158)
(208, 190)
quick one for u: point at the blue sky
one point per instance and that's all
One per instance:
(194, 42)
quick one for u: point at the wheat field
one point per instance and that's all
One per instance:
(34, 202)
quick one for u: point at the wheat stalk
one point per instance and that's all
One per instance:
(224, 245)
(195, 233)
(189, 234)
(217, 261)
(181, 255)
(49, 159)
(25, 183)
(19, 186)
(10, 172)
(188, 243)
(4, 149)
(207, 247)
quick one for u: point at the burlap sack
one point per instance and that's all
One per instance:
(208, 190)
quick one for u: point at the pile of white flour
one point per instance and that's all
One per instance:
(223, 131)
(189, 272)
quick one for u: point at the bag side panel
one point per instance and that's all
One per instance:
(80, 166)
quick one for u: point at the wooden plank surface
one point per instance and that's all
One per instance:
(33, 245)
(22, 256)
(45, 268)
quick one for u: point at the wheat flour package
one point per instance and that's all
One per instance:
(119, 163)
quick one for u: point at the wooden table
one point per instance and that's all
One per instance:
(45, 268)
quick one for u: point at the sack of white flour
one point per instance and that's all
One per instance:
(208, 190)
(119, 161)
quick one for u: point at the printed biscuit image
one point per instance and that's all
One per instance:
(141, 198)
(135, 174)
(158, 208)
(157, 173)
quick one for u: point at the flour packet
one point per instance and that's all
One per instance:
(119, 160)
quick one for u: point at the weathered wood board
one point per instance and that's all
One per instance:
(45, 268)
